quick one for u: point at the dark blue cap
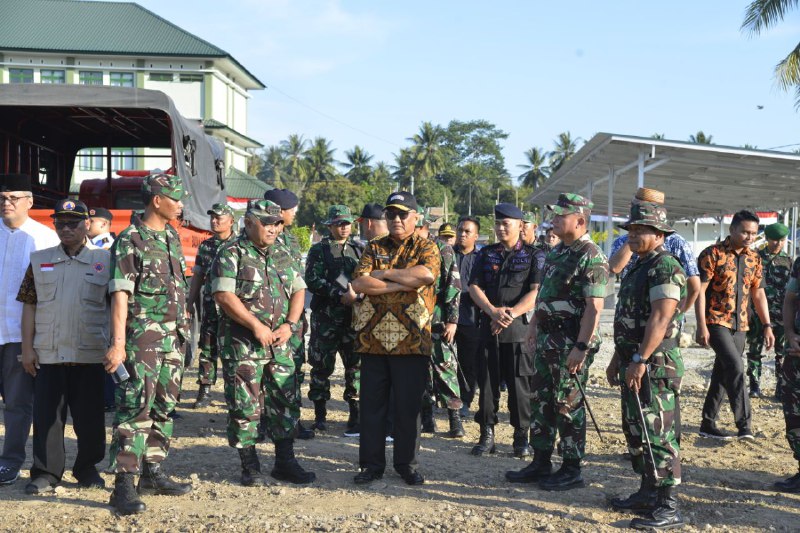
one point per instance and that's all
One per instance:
(502, 211)
(283, 197)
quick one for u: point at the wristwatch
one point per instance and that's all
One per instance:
(294, 326)
(582, 346)
(767, 325)
(637, 358)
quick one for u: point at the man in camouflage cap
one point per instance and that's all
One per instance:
(222, 220)
(258, 288)
(329, 270)
(564, 332)
(148, 333)
(647, 363)
(790, 376)
(529, 226)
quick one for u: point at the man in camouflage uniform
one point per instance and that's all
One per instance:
(222, 219)
(443, 376)
(289, 203)
(790, 376)
(260, 292)
(148, 334)
(777, 267)
(647, 363)
(564, 331)
(529, 226)
(329, 270)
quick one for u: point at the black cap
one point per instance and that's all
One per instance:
(72, 208)
(402, 200)
(374, 211)
(502, 211)
(15, 182)
(283, 197)
(101, 212)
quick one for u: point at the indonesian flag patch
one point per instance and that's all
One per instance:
(47, 267)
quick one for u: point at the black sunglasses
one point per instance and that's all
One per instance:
(391, 214)
(72, 224)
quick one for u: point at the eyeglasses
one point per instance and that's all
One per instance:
(71, 224)
(396, 213)
(12, 199)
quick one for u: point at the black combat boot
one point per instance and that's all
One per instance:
(154, 481)
(664, 516)
(755, 387)
(485, 442)
(353, 428)
(567, 477)
(643, 499)
(320, 415)
(203, 397)
(286, 466)
(540, 468)
(428, 422)
(456, 427)
(304, 433)
(124, 498)
(791, 484)
(521, 447)
(251, 467)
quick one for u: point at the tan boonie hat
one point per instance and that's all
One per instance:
(164, 184)
(266, 211)
(648, 214)
(650, 195)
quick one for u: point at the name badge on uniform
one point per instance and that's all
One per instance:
(47, 267)
(381, 257)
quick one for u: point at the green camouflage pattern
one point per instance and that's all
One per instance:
(339, 213)
(167, 185)
(448, 287)
(569, 203)
(790, 397)
(297, 341)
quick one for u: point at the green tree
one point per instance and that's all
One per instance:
(294, 148)
(320, 162)
(358, 166)
(536, 169)
(273, 167)
(427, 154)
(565, 147)
(657, 136)
(701, 138)
(380, 185)
(320, 195)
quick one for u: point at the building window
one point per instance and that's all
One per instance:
(53, 76)
(20, 75)
(90, 77)
(90, 159)
(121, 79)
(188, 78)
(161, 76)
(122, 159)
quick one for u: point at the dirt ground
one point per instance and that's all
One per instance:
(725, 486)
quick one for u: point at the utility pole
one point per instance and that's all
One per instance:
(469, 208)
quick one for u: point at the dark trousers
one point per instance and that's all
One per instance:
(405, 376)
(18, 394)
(468, 344)
(58, 388)
(728, 377)
(514, 365)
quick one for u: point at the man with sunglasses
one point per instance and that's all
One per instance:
(20, 235)
(329, 270)
(393, 337)
(149, 328)
(64, 338)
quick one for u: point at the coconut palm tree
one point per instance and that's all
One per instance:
(293, 149)
(701, 138)
(565, 147)
(357, 165)
(427, 152)
(536, 169)
(319, 160)
(273, 170)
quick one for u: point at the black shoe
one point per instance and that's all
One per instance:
(745, 434)
(203, 397)
(251, 468)
(540, 468)
(522, 449)
(367, 476)
(664, 516)
(89, 478)
(124, 498)
(320, 415)
(485, 443)
(154, 481)
(286, 466)
(175, 415)
(456, 427)
(791, 484)
(8, 475)
(304, 433)
(642, 500)
(503, 386)
(39, 485)
(353, 428)
(428, 422)
(755, 388)
(567, 477)
(711, 431)
(411, 476)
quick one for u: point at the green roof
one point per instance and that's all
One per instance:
(81, 26)
(239, 184)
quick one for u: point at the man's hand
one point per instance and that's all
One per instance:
(282, 334)
(115, 356)
(349, 297)
(263, 334)
(769, 338)
(633, 376)
(449, 332)
(702, 335)
(506, 316)
(612, 372)
(575, 360)
(30, 361)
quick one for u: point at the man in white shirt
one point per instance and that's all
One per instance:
(100, 227)
(19, 236)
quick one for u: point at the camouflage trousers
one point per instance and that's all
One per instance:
(442, 383)
(755, 347)
(791, 401)
(328, 337)
(661, 416)
(248, 384)
(142, 428)
(297, 343)
(207, 346)
(557, 405)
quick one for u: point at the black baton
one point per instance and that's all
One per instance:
(588, 407)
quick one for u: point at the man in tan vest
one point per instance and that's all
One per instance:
(64, 339)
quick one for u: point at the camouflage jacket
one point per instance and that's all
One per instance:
(326, 261)
(206, 253)
(448, 288)
(571, 274)
(290, 242)
(149, 265)
(777, 269)
(656, 276)
(264, 281)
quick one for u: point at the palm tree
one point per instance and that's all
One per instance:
(274, 166)
(565, 147)
(427, 152)
(657, 136)
(359, 169)
(701, 138)
(403, 168)
(293, 149)
(320, 161)
(763, 14)
(536, 169)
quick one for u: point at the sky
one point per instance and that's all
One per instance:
(369, 72)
